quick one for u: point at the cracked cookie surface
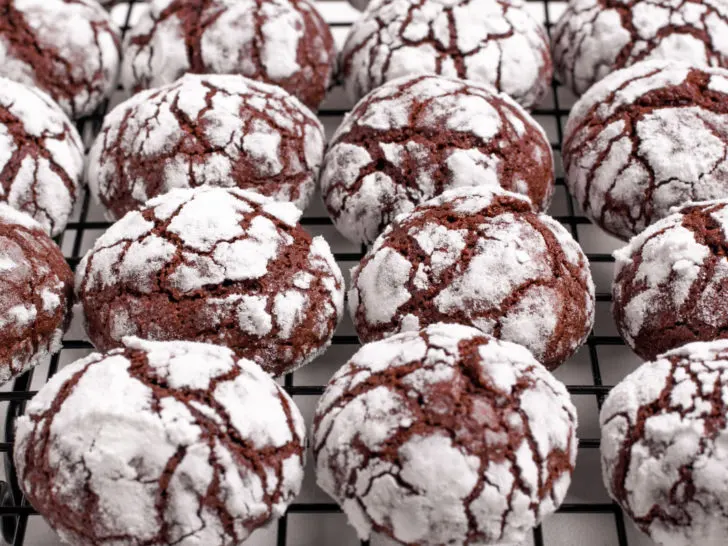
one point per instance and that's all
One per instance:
(220, 130)
(41, 156)
(482, 257)
(36, 294)
(215, 265)
(645, 139)
(415, 137)
(445, 436)
(283, 42)
(663, 445)
(491, 41)
(671, 281)
(68, 48)
(160, 443)
(596, 37)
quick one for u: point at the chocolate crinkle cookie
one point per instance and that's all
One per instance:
(445, 436)
(595, 37)
(646, 139)
(220, 130)
(663, 445)
(671, 281)
(68, 48)
(478, 256)
(41, 156)
(491, 41)
(415, 137)
(160, 443)
(36, 294)
(216, 265)
(283, 42)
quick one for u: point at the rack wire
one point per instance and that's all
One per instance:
(16, 514)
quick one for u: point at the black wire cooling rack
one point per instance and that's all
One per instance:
(16, 513)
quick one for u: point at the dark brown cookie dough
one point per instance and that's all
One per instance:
(36, 294)
(445, 436)
(68, 48)
(595, 37)
(284, 42)
(160, 443)
(645, 139)
(671, 281)
(489, 41)
(219, 130)
(217, 265)
(478, 256)
(415, 137)
(663, 445)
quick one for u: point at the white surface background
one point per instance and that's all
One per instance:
(615, 361)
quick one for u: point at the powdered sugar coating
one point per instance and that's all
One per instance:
(663, 436)
(283, 42)
(41, 156)
(220, 130)
(160, 443)
(670, 281)
(477, 256)
(646, 139)
(445, 436)
(68, 48)
(415, 137)
(36, 292)
(492, 41)
(596, 37)
(211, 264)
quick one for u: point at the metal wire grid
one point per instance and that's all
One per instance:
(14, 509)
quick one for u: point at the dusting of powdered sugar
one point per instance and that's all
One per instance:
(622, 142)
(593, 37)
(264, 283)
(453, 259)
(40, 141)
(70, 50)
(396, 448)
(462, 134)
(278, 41)
(671, 275)
(149, 455)
(492, 41)
(220, 130)
(663, 431)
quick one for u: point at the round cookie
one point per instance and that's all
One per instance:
(415, 137)
(595, 37)
(671, 281)
(68, 48)
(222, 266)
(41, 156)
(221, 130)
(160, 443)
(490, 41)
(445, 436)
(646, 139)
(482, 257)
(663, 445)
(36, 294)
(283, 42)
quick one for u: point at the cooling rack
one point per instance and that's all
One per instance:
(587, 517)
